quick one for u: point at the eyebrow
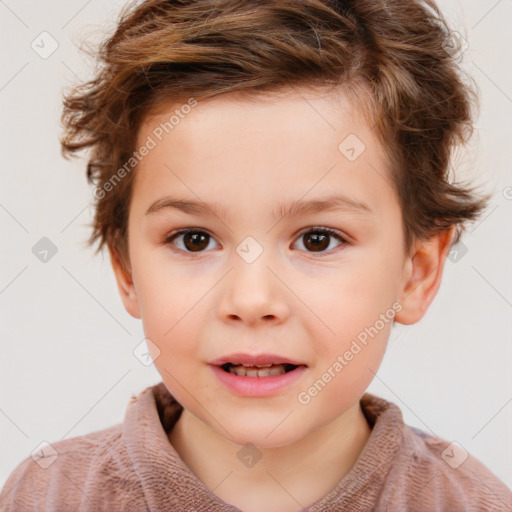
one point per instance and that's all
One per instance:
(297, 208)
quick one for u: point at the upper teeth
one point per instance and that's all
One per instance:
(257, 370)
(255, 365)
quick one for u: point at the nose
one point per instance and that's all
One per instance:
(254, 293)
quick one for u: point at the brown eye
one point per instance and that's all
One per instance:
(190, 240)
(195, 241)
(316, 241)
(319, 239)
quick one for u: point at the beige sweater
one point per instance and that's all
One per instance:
(132, 466)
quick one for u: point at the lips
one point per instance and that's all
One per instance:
(255, 360)
(257, 382)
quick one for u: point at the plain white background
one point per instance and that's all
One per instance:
(67, 366)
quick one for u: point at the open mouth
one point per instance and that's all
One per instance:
(264, 370)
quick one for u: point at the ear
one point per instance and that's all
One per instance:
(423, 270)
(125, 284)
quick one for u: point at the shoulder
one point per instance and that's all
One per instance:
(68, 473)
(414, 470)
(443, 473)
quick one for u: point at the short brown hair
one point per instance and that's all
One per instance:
(166, 50)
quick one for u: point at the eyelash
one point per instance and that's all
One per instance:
(324, 231)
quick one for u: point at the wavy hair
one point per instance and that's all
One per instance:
(420, 103)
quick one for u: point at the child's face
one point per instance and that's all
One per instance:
(304, 301)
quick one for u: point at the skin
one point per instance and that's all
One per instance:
(249, 156)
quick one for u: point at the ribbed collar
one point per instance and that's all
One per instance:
(169, 484)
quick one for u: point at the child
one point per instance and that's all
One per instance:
(272, 186)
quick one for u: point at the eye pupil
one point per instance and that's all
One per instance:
(197, 240)
(319, 241)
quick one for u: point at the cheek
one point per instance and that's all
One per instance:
(356, 293)
(164, 300)
(342, 378)
(163, 291)
(355, 305)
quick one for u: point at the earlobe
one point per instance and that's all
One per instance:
(423, 271)
(125, 284)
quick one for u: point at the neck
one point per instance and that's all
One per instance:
(285, 478)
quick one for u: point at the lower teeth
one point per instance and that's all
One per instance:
(243, 371)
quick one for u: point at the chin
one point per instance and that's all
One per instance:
(262, 436)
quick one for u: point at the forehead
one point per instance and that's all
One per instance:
(288, 109)
(276, 146)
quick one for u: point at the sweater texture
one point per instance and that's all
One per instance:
(132, 466)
